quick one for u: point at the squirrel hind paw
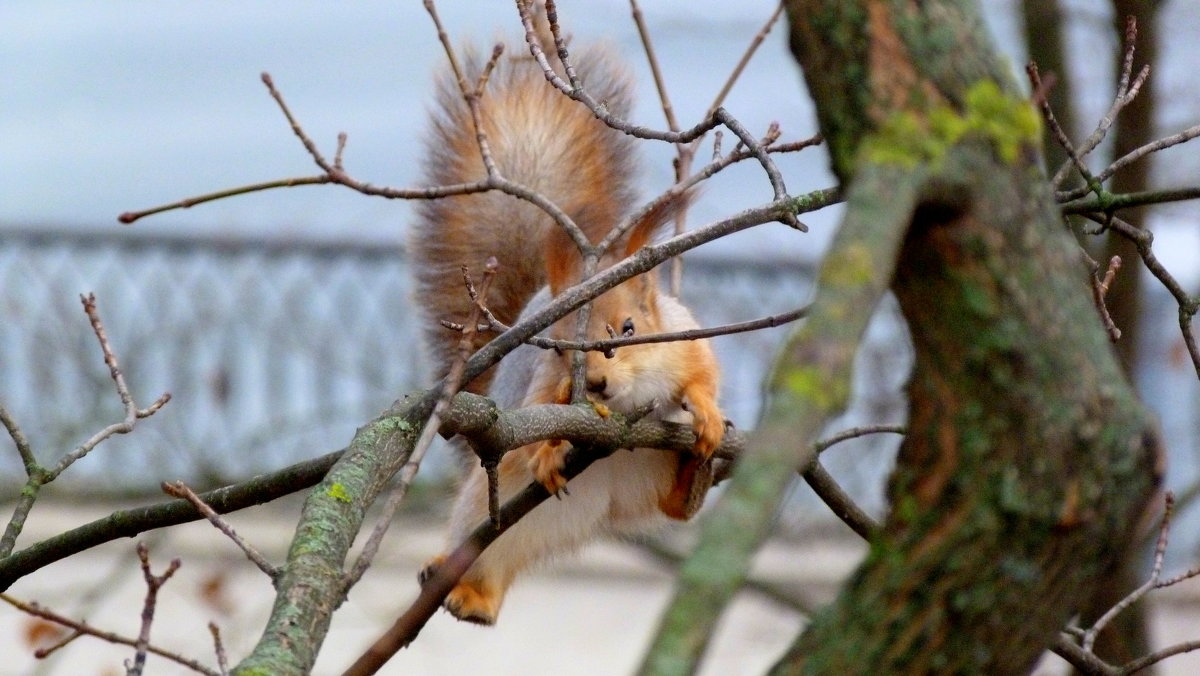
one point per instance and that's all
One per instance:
(430, 569)
(477, 604)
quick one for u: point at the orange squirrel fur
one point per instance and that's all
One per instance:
(543, 140)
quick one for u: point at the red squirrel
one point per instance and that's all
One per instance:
(555, 146)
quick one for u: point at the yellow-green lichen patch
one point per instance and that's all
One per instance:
(848, 266)
(338, 492)
(809, 386)
(910, 138)
(1008, 121)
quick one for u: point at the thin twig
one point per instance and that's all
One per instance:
(132, 412)
(187, 203)
(39, 476)
(1152, 147)
(1035, 80)
(219, 648)
(22, 443)
(1126, 92)
(736, 74)
(1110, 202)
(179, 489)
(43, 653)
(341, 148)
(84, 628)
(153, 584)
(827, 488)
(1157, 656)
(1160, 549)
(609, 344)
(450, 386)
(1100, 291)
(648, 46)
(1189, 305)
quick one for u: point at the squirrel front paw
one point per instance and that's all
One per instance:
(547, 464)
(708, 424)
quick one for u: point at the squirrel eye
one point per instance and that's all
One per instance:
(627, 328)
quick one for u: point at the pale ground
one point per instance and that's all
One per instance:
(585, 616)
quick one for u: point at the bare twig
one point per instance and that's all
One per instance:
(132, 412)
(1126, 92)
(782, 594)
(1160, 549)
(43, 653)
(1100, 291)
(37, 475)
(19, 439)
(450, 386)
(838, 501)
(609, 344)
(84, 628)
(1110, 202)
(153, 584)
(648, 47)
(219, 648)
(834, 497)
(1157, 656)
(1152, 147)
(1188, 305)
(341, 148)
(179, 489)
(189, 202)
(736, 73)
(686, 152)
(1043, 103)
(1080, 653)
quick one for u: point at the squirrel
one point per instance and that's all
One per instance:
(542, 139)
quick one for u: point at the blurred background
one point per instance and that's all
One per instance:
(279, 321)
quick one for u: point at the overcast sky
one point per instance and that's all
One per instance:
(107, 107)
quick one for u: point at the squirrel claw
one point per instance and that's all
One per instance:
(708, 424)
(546, 466)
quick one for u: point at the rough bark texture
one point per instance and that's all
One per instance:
(310, 585)
(1028, 458)
(810, 384)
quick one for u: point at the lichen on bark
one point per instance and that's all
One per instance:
(1028, 458)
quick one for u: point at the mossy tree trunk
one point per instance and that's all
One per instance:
(1028, 458)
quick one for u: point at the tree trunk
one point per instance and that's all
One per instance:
(1028, 458)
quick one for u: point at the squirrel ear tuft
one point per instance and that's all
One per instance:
(563, 261)
(654, 220)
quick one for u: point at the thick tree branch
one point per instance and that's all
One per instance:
(810, 385)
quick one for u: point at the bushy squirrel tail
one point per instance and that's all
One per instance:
(539, 139)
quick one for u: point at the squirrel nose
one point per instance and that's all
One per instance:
(597, 385)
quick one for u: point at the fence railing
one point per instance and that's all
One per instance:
(273, 352)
